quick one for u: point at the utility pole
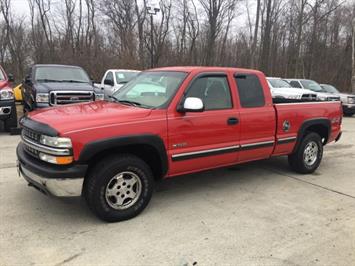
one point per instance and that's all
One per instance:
(151, 10)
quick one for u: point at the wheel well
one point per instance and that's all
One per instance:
(321, 130)
(144, 151)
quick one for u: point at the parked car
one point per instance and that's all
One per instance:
(282, 89)
(347, 100)
(18, 93)
(313, 86)
(168, 122)
(8, 113)
(114, 79)
(52, 85)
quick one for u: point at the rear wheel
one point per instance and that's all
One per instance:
(308, 156)
(119, 188)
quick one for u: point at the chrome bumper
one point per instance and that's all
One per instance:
(59, 187)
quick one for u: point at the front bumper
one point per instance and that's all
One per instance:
(59, 181)
(6, 108)
(349, 108)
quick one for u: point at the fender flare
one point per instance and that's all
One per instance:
(312, 122)
(93, 148)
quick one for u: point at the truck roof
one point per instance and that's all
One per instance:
(204, 68)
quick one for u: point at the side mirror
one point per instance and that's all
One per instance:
(28, 79)
(10, 78)
(192, 104)
(108, 82)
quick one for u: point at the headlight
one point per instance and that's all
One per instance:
(42, 97)
(56, 142)
(294, 97)
(351, 100)
(6, 94)
(99, 97)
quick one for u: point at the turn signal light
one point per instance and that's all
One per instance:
(61, 160)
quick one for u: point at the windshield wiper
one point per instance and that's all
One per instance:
(73, 81)
(129, 102)
(48, 80)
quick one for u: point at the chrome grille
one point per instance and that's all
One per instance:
(333, 98)
(309, 97)
(67, 97)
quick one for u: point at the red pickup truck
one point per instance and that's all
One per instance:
(168, 122)
(8, 112)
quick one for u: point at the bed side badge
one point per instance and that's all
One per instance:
(286, 125)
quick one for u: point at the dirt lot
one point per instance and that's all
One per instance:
(258, 213)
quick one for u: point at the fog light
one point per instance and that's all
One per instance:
(56, 160)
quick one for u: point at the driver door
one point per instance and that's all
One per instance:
(208, 139)
(108, 85)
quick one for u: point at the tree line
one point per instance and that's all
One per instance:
(285, 38)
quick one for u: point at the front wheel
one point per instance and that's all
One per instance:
(119, 188)
(308, 156)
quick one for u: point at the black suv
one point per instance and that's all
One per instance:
(53, 85)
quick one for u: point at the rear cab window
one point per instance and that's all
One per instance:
(250, 90)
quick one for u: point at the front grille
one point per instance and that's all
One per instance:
(333, 98)
(31, 151)
(67, 97)
(309, 97)
(32, 135)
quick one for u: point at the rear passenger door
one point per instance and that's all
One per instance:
(257, 118)
(207, 139)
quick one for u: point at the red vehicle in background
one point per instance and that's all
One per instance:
(164, 123)
(8, 112)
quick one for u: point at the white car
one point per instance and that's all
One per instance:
(322, 95)
(347, 100)
(282, 89)
(114, 79)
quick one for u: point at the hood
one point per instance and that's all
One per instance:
(62, 86)
(346, 95)
(87, 115)
(294, 90)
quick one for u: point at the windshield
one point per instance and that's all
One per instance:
(279, 83)
(311, 85)
(329, 88)
(124, 77)
(2, 76)
(150, 89)
(61, 74)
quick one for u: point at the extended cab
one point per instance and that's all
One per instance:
(8, 113)
(53, 85)
(168, 122)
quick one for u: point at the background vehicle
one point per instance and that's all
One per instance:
(18, 93)
(282, 89)
(52, 85)
(168, 122)
(8, 112)
(347, 100)
(313, 86)
(114, 79)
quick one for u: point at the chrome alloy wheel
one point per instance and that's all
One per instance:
(310, 154)
(123, 190)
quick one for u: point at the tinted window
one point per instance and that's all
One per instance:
(311, 85)
(251, 92)
(2, 76)
(213, 91)
(278, 83)
(329, 88)
(295, 84)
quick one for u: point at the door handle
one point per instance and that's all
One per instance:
(232, 121)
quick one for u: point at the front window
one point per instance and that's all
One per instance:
(150, 89)
(311, 85)
(279, 83)
(61, 74)
(124, 77)
(330, 88)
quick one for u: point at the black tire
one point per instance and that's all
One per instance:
(11, 122)
(297, 161)
(98, 180)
